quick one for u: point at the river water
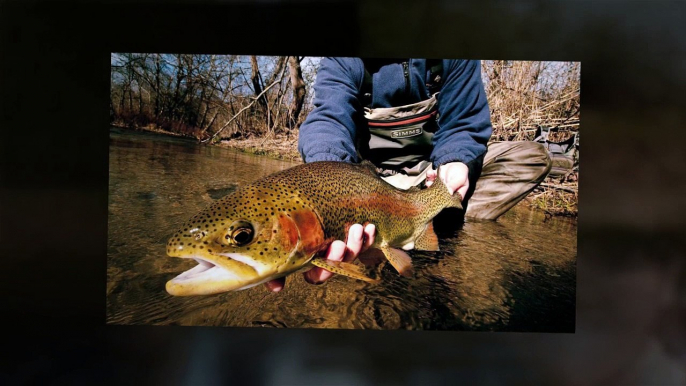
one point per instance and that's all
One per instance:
(516, 274)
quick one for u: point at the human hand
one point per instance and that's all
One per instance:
(359, 240)
(455, 176)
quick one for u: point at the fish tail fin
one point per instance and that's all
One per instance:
(457, 201)
(440, 193)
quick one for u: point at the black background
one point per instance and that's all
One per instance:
(54, 86)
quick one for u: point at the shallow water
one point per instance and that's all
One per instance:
(516, 274)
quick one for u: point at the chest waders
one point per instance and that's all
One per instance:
(399, 140)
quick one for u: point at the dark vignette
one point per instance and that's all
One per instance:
(631, 305)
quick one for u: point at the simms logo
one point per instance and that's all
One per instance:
(406, 133)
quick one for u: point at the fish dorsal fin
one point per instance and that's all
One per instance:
(400, 260)
(427, 241)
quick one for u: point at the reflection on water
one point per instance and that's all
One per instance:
(517, 274)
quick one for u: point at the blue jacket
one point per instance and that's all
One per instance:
(329, 131)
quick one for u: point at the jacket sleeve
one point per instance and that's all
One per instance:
(464, 118)
(328, 133)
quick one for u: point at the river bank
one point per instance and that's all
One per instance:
(157, 182)
(555, 198)
(279, 147)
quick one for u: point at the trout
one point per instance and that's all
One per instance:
(277, 226)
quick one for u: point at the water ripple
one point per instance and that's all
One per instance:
(517, 274)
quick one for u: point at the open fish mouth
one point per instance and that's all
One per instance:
(204, 270)
(208, 278)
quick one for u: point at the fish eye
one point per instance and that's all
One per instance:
(242, 236)
(239, 233)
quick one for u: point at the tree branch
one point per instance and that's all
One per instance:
(255, 99)
(558, 187)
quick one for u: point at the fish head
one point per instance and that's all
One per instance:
(243, 240)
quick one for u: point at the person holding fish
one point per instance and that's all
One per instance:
(415, 120)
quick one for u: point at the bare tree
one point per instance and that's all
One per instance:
(256, 78)
(206, 96)
(299, 88)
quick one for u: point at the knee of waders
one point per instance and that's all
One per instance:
(537, 156)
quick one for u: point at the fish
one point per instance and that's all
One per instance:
(279, 224)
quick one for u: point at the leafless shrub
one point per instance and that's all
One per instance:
(210, 96)
(522, 95)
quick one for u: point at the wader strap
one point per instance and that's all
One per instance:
(399, 139)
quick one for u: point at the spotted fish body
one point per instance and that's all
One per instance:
(275, 226)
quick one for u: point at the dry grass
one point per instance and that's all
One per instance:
(557, 197)
(523, 95)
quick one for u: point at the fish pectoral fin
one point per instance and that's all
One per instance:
(400, 260)
(345, 269)
(427, 241)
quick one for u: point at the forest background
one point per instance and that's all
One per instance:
(257, 104)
